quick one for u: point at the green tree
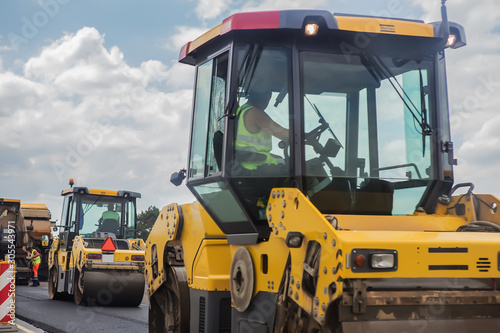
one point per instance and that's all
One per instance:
(146, 220)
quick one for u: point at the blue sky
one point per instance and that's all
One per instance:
(92, 90)
(140, 28)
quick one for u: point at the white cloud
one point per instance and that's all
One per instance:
(282, 4)
(183, 35)
(18, 93)
(180, 75)
(210, 9)
(79, 110)
(71, 50)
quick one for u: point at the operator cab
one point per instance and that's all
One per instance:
(365, 116)
(93, 213)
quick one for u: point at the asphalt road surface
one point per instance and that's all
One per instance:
(34, 306)
(23, 326)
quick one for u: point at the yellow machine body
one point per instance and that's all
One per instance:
(207, 268)
(421, 241)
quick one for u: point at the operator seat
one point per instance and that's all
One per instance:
(375, 198)
(335, 198)
(110, 225)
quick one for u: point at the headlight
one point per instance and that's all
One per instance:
(382, 260)
(372, 260)
(294, 239)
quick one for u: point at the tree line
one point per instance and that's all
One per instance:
(146, 220)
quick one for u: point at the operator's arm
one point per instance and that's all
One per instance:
(256, 120)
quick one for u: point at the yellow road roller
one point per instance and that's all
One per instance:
(97, 257)
(322, 164)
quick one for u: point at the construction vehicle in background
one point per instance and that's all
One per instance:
(14, 238)
(37, 219)
(349, 221)
(97, 257)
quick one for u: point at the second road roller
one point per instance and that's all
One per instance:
(97, 257)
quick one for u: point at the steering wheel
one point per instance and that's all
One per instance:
(316, 133)
(312, 137)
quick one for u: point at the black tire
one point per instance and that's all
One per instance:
(53, 281)
(78, 289)
(43, 272)
(156, 316)
(166, 312)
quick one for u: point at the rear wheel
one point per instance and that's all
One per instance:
(53, 281)
(290, 318)
(43, 272)
(78, 288)
(169, 306)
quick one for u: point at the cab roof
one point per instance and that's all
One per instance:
(10, 200)
(110, 193)
(296, 19)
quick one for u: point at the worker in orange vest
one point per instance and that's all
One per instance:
(34, 256)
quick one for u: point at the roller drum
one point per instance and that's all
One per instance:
(109, 288)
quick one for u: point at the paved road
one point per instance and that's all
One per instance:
(23, 326)
(34, 306)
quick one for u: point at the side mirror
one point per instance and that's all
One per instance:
(177, 177)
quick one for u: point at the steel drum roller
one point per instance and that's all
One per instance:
(110, 288)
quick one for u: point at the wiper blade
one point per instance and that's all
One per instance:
(245, 74)
(322, 120)
(427, 130)
(379, 70)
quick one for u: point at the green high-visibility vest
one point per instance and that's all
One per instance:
(110, 215)
(260, 142)
(36, 260)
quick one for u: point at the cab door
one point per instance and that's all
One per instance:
(69, 222)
